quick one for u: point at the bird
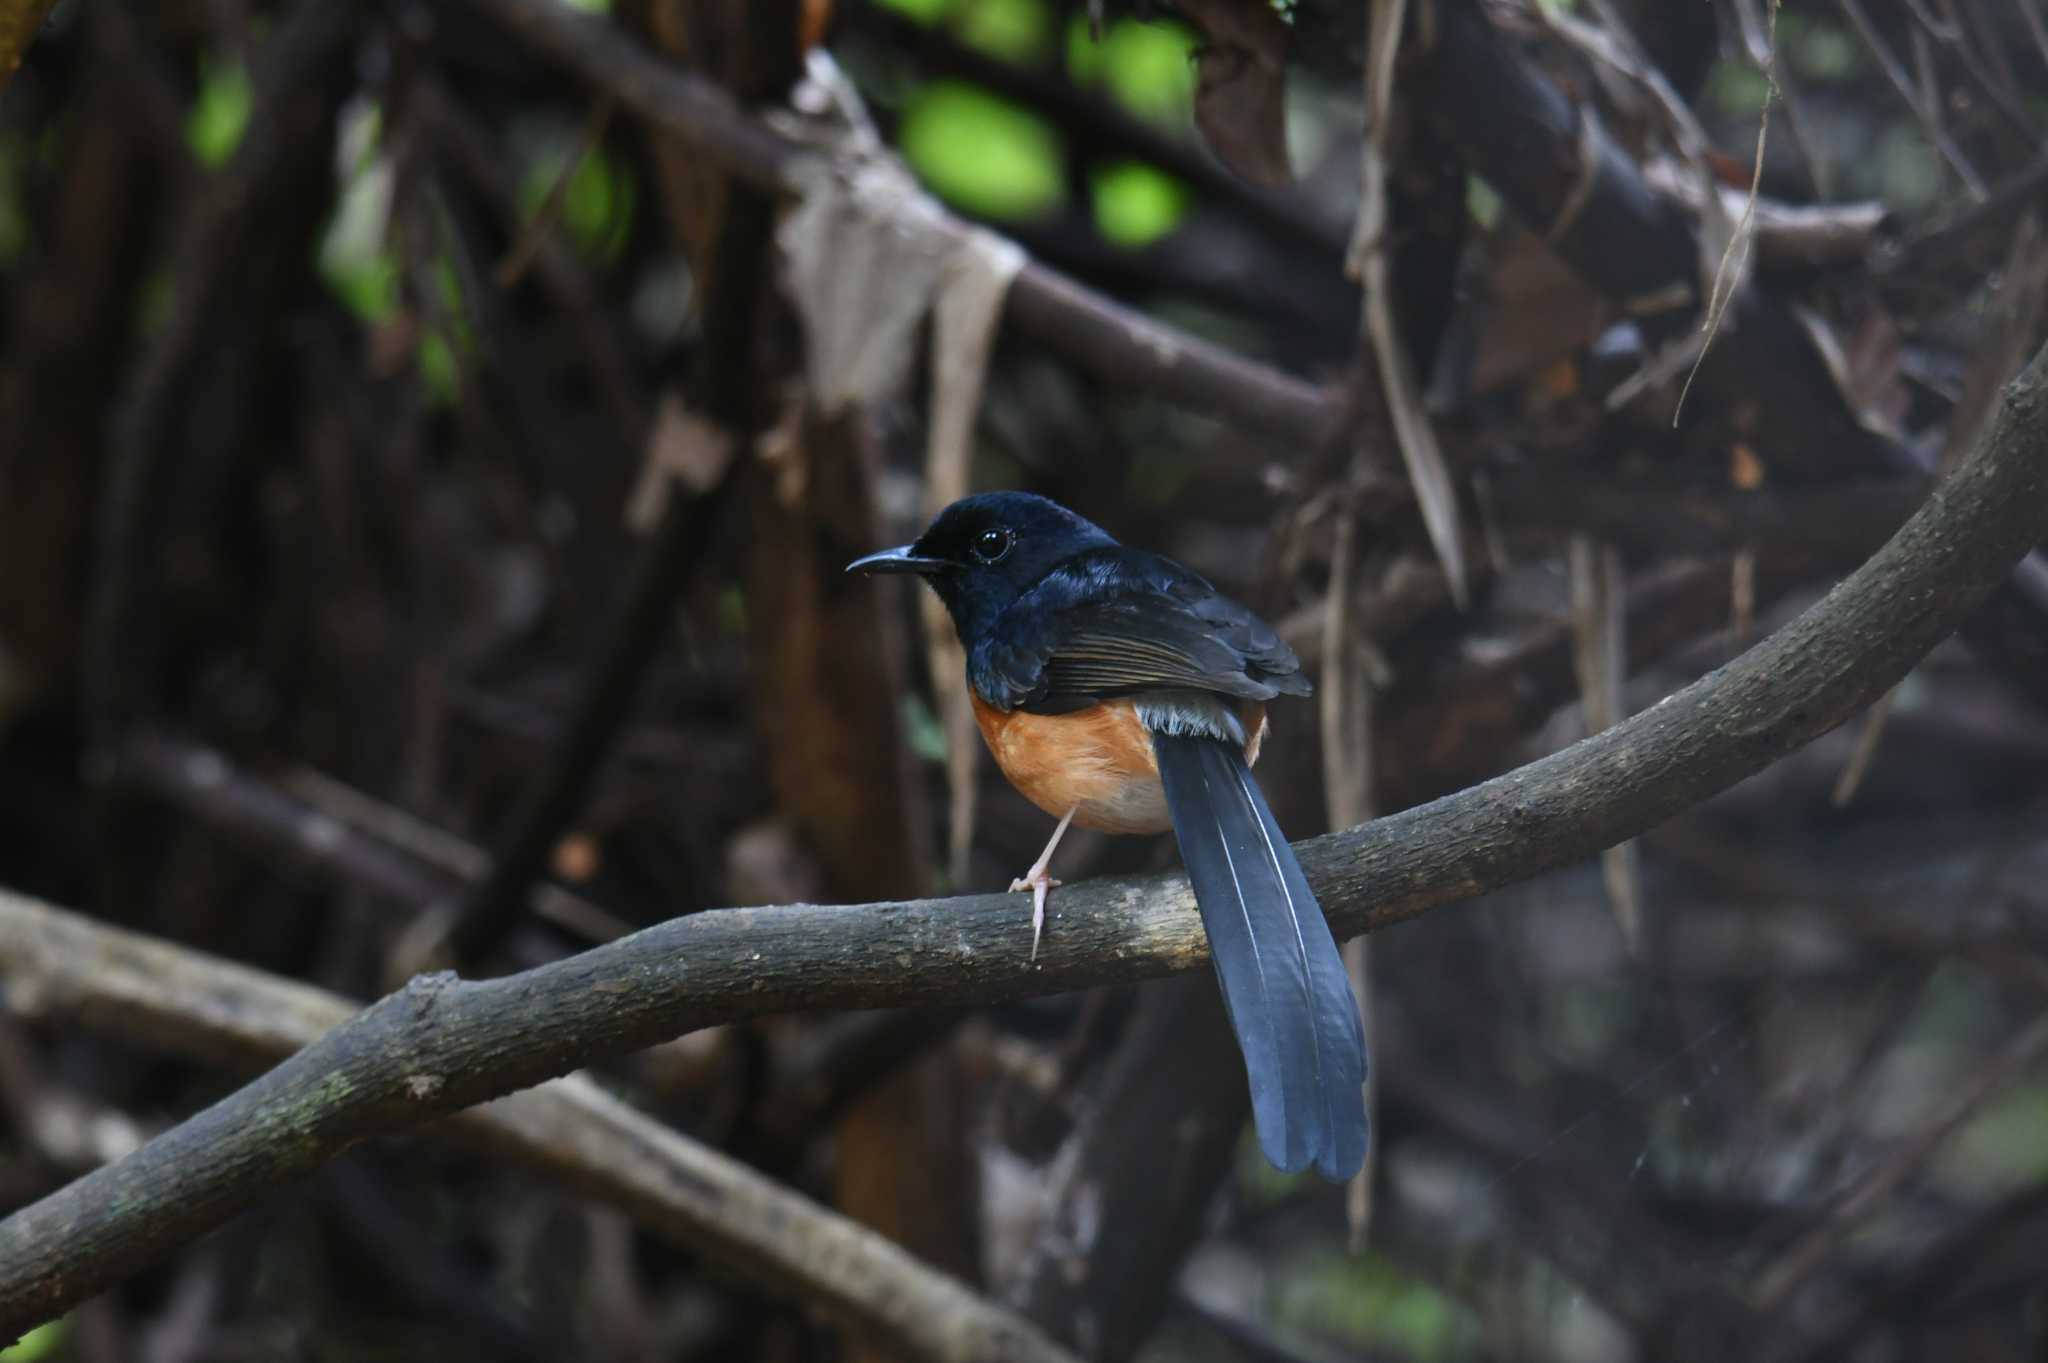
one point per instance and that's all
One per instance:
(1118, 690)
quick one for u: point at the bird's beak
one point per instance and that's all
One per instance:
(897, 560)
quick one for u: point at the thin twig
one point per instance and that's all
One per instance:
(1435, 492)
(2030, 10)
(1728, 275)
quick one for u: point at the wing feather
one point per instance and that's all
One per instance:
(1117, 622)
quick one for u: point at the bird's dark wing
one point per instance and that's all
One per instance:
(1118, 621)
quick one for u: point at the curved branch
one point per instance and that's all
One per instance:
(440, 1044)
(186, 1002)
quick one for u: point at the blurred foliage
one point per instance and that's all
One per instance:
(355, 259)
(989, 157)
(921, 729)
(1364, 1298)
(1149, 68)
(1017, 31)
(597, 205)
(1135, 204)
(220, 114)
(983, 153)
(2004, 1147)
(39, 1343)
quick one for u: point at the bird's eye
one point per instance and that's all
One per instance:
(991, 545)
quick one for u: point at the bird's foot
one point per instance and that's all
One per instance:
(1038, 882)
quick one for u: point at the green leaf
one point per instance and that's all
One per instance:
(1087, 59)
(1136, 204)
(355, 262)
(597, 206)
(221, 114)
(1151, 69)
(981, 153)
(1017, 31)
(437, 369)
(1482, 201)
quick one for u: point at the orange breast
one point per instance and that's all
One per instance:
(1097, 762)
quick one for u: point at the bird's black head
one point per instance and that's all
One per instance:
(984, 551)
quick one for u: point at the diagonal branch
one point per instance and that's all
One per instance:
(441, 1044)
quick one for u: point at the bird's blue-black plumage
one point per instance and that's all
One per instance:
(1056, 616)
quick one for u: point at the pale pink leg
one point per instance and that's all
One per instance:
(1038, 882)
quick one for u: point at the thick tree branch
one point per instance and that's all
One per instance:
(132, 986)
(441, 1044)
(1098, 333)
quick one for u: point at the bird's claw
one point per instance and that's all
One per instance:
(1038, 882)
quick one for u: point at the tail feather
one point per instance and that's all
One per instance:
(1284, 983)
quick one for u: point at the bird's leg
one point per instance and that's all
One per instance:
(1038, 882)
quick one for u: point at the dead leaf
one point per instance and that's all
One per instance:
(861, 254)
(682, 448)
(1241, 87)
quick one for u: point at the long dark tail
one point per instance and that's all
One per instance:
(1283, 980)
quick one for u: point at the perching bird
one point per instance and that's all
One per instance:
(1120, 691)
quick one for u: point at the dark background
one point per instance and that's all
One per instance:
(336, 338)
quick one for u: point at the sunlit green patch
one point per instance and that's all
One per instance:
(922, 731)
(1150, 68)
(2005, 1145)
(590, 6)
(355, 259)
(1482, 201)
(1367, 1300)
(220, 116)
(1015, 30)
(597, 205)
(1822, 51)
(1087, 60)
(1136, 204)
(982, 153)
(1736, 87)
(438, 373)
(38, 1344)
